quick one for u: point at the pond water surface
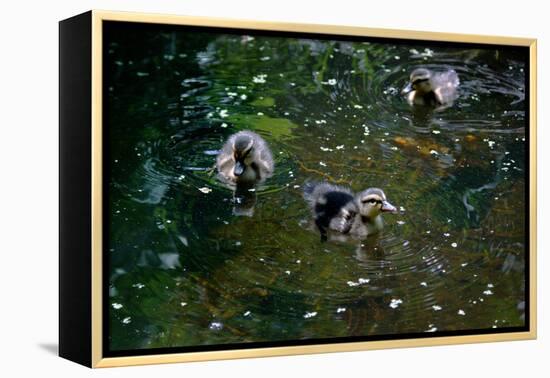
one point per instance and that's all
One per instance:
(184, 270)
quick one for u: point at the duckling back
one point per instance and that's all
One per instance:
(333, 207)
(445, 86)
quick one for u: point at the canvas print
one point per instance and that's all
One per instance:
(270, 188)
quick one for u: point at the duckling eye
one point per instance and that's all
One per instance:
(418, 81)
(372, 201)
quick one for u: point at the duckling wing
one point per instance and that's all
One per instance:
(447, 79)
(266, 158)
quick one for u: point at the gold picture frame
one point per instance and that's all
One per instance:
(89, 268)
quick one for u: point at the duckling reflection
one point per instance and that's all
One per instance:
(431, 89)
(333, 207)
(244, 200)
(369, 249)
(245, 159)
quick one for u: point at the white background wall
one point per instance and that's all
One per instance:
(28, 185)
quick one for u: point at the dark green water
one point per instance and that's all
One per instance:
(183, 270)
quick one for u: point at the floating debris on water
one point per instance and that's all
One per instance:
(127, 320)
(247, 313)
(454, 245)
(360, 281)
(260, 79)
(395, 303)
(487, 292)
(216, 326)
(437, 308)
(423, 284)
(322, 164)
(366, 131)
(205, 190)
(117, 306)
(340, 310)
(138, 285)
(183, 304)
(461, 312)
(308, 315)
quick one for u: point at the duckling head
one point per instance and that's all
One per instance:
(419, 81)
(242, 153)
(372, 202)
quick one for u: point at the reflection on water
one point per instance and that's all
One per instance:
(186, 269)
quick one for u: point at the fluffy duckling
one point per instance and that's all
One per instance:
(245, 158)
(336, 208)
(371, 203)
(432, 89)
(333, 207)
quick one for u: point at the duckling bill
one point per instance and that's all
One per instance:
(431, 89)
(245, 158)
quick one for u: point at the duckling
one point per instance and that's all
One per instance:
(333, 207)
(432, 89)
(245, 158)
(371, 203)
